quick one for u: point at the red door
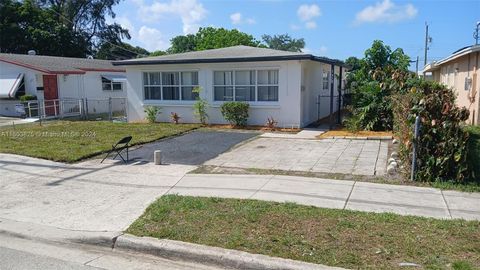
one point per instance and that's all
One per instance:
(50, 94)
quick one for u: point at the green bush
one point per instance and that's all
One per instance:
(151, 113)
(26, 98)
(442, 144)
(236, 113)
(473, 155)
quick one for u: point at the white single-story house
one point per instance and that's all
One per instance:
(294, 88)
(56, 78)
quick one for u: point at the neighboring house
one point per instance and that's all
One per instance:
(460, 71)
(56, 78)
(292, 87)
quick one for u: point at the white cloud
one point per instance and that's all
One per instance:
(323, 50)
(191, 12)
(152, 39)
(308, 12)
(386, 11)
(237, 18)
(126, 23)
(311, 25)
(294, 27)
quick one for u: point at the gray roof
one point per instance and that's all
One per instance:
(59, 65)
(229, 54)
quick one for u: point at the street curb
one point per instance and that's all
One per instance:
(210, 255)
(164, 248)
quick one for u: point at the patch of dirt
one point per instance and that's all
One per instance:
(362, 133)
(259, 128)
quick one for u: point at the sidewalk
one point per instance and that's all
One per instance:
(338, 194)
(110, 196)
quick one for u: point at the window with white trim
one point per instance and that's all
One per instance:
(325, 80)
(245, 85)
(108, 85)
(170, 85)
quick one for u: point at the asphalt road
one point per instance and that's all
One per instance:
(22, 254)
(193, 148)
(12, 259)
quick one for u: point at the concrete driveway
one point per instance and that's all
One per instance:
(85, 196)
(359, 157)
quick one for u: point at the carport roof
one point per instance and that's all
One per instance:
(59, 65)
(228, 54)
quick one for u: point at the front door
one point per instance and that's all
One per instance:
(50, 94)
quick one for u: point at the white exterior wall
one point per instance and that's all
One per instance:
(286, 111)
(29, 76)
(73, 86)
(88, 85)
(7, 106)
(312, 83)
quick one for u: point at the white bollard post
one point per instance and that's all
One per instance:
(157, 157)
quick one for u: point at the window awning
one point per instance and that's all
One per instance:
(115, 78)
(9, 84)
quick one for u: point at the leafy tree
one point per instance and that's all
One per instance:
(284, 43)
(121, 51)
(211, 38)
(371, 83)
(180, 44)
(58, 27)
(157, 53)
(214, 38)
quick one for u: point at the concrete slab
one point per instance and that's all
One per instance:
(303, 190)
(337, 155)
(463, 205)
(404, 200)
(87, 196)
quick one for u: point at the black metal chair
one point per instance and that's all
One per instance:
(118, 148)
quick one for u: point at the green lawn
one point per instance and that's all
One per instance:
(474, 152)
(341, 238)
(70, 141)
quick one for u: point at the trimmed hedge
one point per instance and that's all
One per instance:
(235, 112)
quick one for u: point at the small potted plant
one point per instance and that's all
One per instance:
(175, 117)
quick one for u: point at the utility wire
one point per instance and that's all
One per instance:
(111, 43)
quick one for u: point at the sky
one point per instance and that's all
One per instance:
(335, 29)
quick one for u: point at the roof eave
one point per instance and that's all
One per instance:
(213, 60)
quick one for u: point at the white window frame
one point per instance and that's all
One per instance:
(256, 85)
(111, 85)
(161, 85)
(327, 81)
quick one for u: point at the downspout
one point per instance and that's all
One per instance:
(478, 90)
(339, 116)
(332, 86)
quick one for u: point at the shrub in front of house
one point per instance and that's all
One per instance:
(442, 144)
(235, 112)
(27, 97)
(151, 113)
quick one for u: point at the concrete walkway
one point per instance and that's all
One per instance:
(110, 196)
(338, 194)
(306, 133)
